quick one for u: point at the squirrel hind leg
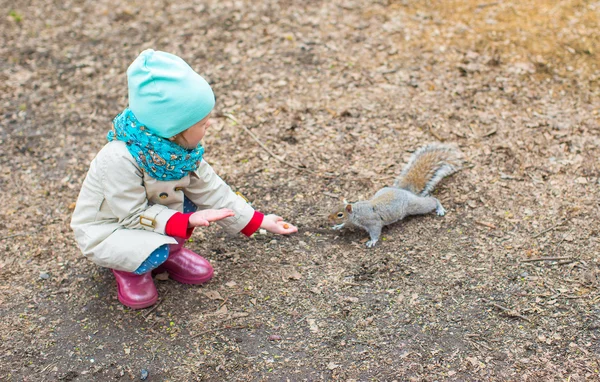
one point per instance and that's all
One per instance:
(439, 209)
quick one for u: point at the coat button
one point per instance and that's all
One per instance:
(178, 188)
(163, 195)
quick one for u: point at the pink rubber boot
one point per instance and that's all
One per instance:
(135, 291)
(186, 266)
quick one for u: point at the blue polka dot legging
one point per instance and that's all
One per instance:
(161, 253)
(155, 259)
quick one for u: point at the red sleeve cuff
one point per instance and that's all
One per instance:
(177, 226)
(254, 224)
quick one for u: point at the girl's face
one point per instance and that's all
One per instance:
(191, 137)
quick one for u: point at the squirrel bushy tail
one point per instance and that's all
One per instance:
(427, 167)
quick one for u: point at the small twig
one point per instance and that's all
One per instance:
(509, 177)
(566, 262)
(231, 117)
(477, 344)
(48, 366)
(301, 319)
(551, 228)
(15, 235)
(560, 242)
(360, 342)
(489, 225)
(218, 329)
(33, 232)
(487, 5)
(155, 306)
(233, 294)
(471, 338)
(546, 259)
(489, 133)
(278, 158)
(390, 71)
(510, 312)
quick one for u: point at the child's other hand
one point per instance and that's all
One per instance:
(203, 218)
(275, 224)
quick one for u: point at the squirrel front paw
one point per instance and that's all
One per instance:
(371, 243)
(338, 226)
(439, 209)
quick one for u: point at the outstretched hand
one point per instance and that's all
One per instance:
(203, 218)
(275, 224)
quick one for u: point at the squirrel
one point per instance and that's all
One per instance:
(408, 196)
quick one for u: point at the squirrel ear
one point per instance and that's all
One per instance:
(349, 207)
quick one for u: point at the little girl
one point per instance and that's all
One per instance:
(148, 188)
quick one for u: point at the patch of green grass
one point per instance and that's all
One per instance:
(15, 16)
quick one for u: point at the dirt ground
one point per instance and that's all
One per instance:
(504, 287)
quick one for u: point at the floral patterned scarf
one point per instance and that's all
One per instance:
(159, 157)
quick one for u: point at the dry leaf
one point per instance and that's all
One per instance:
(213, 295)
(222, 311)
(291, 275)
(475, 362)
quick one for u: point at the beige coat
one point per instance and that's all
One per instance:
(121, 212)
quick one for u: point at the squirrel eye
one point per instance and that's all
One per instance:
(340, 215)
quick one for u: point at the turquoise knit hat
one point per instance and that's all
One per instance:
(165, 94)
